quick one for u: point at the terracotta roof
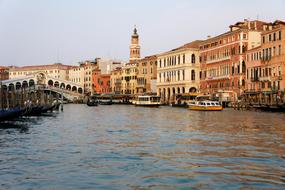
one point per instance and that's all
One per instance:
(194, 44)
(41, 67)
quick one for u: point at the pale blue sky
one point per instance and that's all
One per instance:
(34, 32)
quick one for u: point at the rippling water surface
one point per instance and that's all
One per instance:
(126, 147)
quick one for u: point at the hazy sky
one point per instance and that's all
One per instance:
(34, 32)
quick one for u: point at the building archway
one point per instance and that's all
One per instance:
(183, 90)
(192, 89)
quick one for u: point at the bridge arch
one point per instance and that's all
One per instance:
(56, 84)
(50, 82)
(62, 85)
(80, 90)
(74, 88)
(68, 87)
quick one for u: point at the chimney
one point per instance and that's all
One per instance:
(208, 37)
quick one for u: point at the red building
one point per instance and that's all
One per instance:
(222, 57)
(101, 82)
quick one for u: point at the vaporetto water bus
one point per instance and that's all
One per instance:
(147, 100)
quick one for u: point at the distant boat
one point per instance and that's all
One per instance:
(105, 99)
(92, 101)
(147, 100)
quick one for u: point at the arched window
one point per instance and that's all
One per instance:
(193, 58)
(193, 75)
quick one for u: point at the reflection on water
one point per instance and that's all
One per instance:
(126, 147)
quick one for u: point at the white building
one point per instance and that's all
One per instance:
(178, 71)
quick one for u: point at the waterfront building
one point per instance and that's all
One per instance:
(57, 71)
(222, 57)
(4, 73)
(129, 79)
(82, 74)
(134, 47)
(116, 80)
(266, 63)
(146, 75)
(178, 71)
(101, 82)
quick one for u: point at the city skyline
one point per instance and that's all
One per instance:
(36, 33)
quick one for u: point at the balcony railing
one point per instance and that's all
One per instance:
(218, 77)
(218, 60)
(254, 79)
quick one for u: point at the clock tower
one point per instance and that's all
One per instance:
(135, 47)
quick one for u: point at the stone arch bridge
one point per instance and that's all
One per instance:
(41, 80)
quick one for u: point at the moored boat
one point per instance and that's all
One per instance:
(10, 114)
(147, 100)
(92, 101)
(206, 105)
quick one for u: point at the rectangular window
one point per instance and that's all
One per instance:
(269, 37)
(279, 50)
(274, 37)
(280, 35)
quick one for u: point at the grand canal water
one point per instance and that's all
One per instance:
(127, 147)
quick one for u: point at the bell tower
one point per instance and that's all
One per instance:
(135, 47)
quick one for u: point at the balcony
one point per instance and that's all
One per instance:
(219, 77)
(266, 78)
(218, 60)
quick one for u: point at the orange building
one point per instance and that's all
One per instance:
(4, 73)
(266, 64)
(223, 57)
(101, 82)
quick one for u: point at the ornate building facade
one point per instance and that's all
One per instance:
(223, 65)
(178, 71)
(147, 75)
(266, 64)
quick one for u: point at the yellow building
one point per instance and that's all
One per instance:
(129, 79)
(146, 75)
(178, 71)
(116, 80)
(82, 74)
